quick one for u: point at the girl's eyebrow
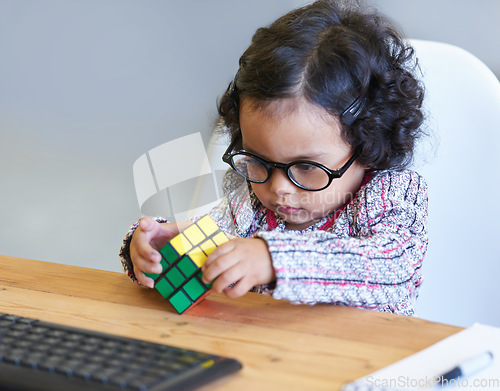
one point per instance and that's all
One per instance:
(312, 156)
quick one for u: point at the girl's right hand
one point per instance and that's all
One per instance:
(149, 237)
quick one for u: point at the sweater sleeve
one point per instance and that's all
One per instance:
(370, 259)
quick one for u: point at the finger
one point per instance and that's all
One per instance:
(227, 279)
(143, 267)
(144, 280)
(239, 289)
(146, 252)
(146, 224)
(143, 254)
(150, 229)
(144, 257)
(147, 265)
(223, 249)
(218, 265)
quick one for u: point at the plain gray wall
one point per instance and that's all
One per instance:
(86, 87)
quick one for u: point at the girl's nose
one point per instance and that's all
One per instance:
(279, 182)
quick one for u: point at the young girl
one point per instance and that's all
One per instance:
(323, 115)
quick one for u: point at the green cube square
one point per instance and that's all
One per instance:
(180, 302)
(187, 266)
(194, 288)
(169, 254)
(175, 277)
(164, 287)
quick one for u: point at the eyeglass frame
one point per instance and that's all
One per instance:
(332, 174)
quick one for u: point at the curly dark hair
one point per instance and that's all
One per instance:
(331, 53)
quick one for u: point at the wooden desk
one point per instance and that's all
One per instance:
(281, 346)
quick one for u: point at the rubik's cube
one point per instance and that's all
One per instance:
(182, 258)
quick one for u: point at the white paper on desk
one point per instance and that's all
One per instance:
(421, 370)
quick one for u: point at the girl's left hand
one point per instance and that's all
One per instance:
(242, 262)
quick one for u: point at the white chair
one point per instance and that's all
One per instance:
(461, 162)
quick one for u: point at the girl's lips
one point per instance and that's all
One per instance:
(288, 210)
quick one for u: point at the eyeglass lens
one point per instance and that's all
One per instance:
(306, 175)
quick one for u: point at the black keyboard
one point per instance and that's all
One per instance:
(43, 356)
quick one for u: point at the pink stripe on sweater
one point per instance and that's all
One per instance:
(326, 283)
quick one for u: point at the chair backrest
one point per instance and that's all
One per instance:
(461, 162)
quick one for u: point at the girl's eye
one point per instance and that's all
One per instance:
(303, 167)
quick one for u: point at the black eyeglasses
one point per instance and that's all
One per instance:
(305, 174)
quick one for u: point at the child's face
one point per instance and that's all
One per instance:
(289, 130)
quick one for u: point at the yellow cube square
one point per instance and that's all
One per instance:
(207, 225)
(197, 256)
(220, 238)
(181, 244)
(208, 246)
(194, 234)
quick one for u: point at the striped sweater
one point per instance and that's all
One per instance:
(367, 255)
